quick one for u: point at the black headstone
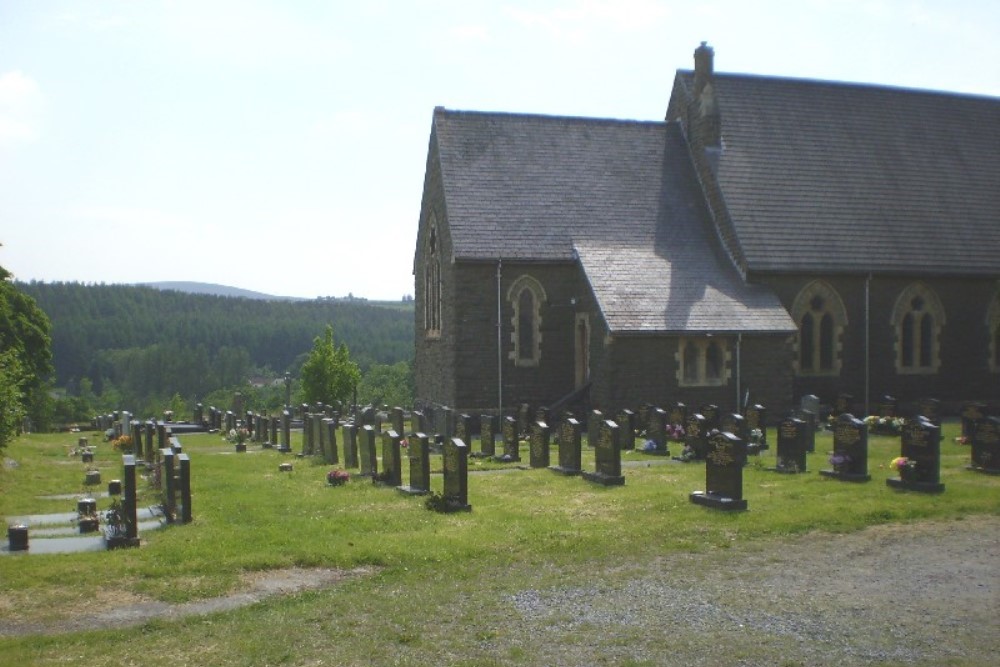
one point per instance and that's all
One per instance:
(986, 445)
(723, 473)
(919, 462)
(792, 447)
(539, 445)
(511, 444)
(607, 457)
(849, 461)
(569, 448)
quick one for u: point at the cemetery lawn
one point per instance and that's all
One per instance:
(281, 569)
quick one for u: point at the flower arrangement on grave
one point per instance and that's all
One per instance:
(123, 444)
(787, 464)
(756, 436)
(885, 425)
(238, 435)
(675, 432)
(337, 477)
(902, 465)
(114, 521)
(963, 440)
(839, 462)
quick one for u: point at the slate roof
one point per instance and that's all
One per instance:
(619, 195)
(834, 177)
(640, 291)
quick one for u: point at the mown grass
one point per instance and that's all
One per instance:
(440, 582)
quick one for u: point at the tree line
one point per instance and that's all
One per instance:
(141, 347)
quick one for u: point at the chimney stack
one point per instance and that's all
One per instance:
(707, 123)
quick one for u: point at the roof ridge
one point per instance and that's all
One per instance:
(590, 120)
(863, 85)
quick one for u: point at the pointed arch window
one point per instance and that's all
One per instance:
(917, 319)
(820, 314)
(526, 296)
(432, 281)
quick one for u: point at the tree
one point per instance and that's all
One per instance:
(11, 404)
(389, 385)
(24, 333)
(328, 373)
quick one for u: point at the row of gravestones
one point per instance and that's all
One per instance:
(657, 425)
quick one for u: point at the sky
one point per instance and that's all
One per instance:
(280, 146)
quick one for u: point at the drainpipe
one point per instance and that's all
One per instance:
(868, 289)
(739, 343)
(499, 348)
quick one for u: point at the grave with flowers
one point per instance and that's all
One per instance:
(919, 462)
(849, 460)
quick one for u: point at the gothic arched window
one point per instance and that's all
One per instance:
(917, 319)
(432, 281)
(526, 296)
(821, 318)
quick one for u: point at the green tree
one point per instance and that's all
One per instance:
(11, 404)
(389, 385)
(328, 373)
(24, 332)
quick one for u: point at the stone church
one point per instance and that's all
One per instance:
(770, 238)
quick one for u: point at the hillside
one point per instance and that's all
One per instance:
(153, 341)
(214, 289)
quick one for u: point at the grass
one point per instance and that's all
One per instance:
(440, 583)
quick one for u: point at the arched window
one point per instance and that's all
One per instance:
(526, 296)
(432, 281)
(993, 326)
(917, 319)
(821, 316)
(702, 361)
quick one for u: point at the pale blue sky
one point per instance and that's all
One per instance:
(280, 146)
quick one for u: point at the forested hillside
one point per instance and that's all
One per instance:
(150, 343)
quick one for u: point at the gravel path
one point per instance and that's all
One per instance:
(919, 594)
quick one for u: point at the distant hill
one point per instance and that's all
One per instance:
(217, 290)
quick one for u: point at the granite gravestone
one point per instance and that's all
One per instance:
(723, 473)
(736, 424)
(286, 432)
(696, 436)
(607, 457)
(463, 428)
(972, 413)
(929, 409)
(511, 444)
(792, 447)
(594, 419)
(392, 469)
(849, 461)
(350, 433)
(456, 477)
(420, 465)
(366, 450)
(397, 420)
(656, 431)
(330, 442)
(842, 404)
(487, 441)
(920, 446)
(888, 407)
(986, 446)
(711, 414)
(756, 416)
(626, 421)
(539, 445)
(569, 448)
(677, 415)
